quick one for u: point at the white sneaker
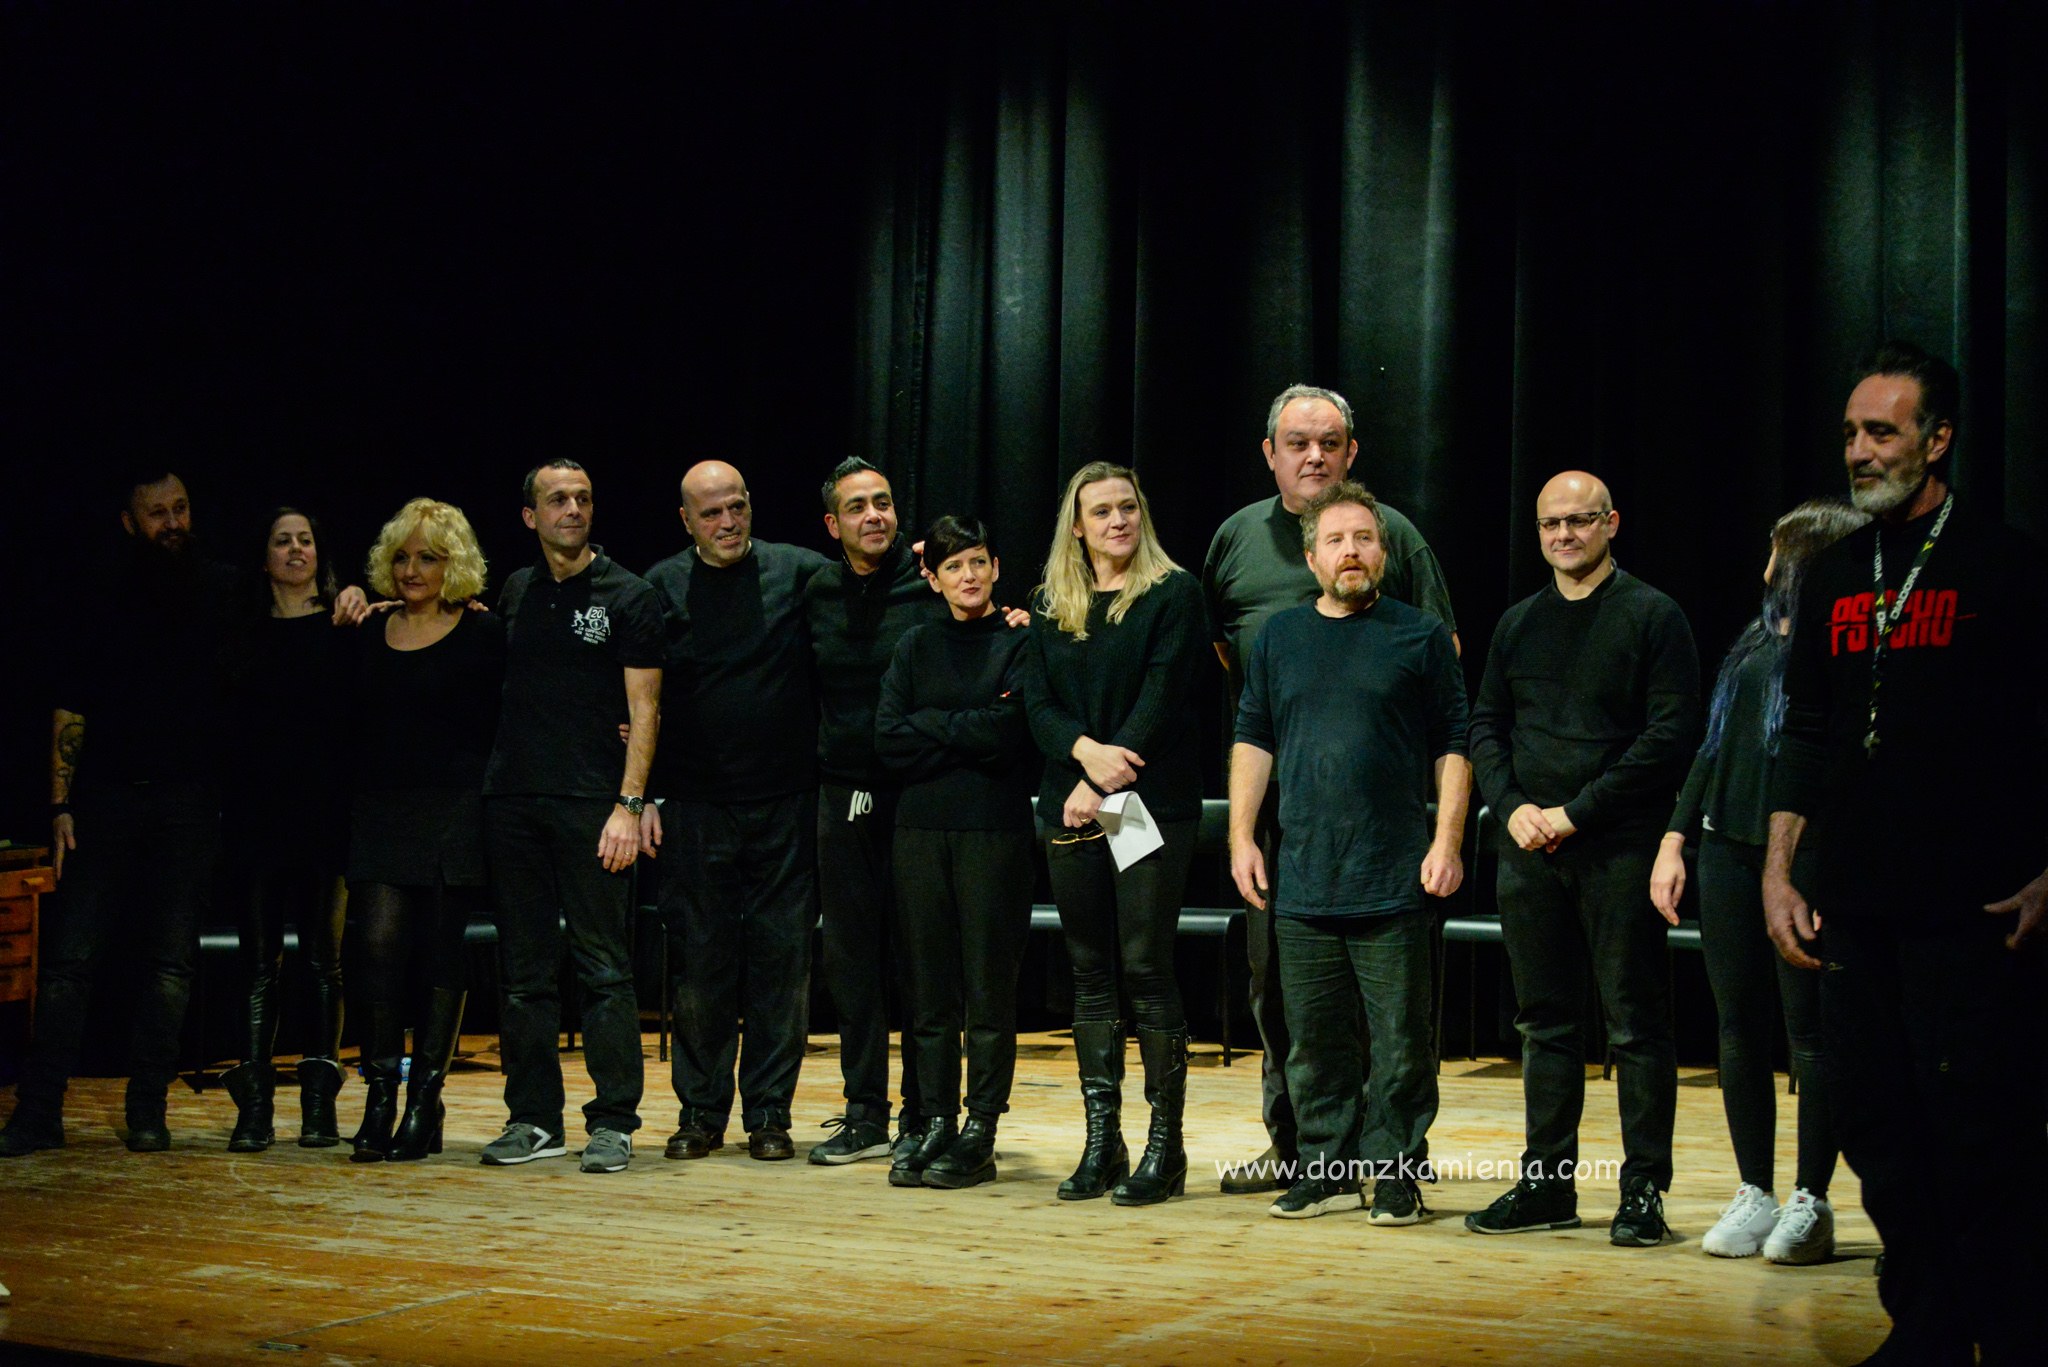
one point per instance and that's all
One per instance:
(1745, 1223)
(1805, 1232)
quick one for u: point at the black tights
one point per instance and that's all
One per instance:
(1123, 918)
(313, 899)
(399, 932)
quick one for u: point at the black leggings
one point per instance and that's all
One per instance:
(1126, 918)
(1749, 981)
(312, 898)
(394, 930)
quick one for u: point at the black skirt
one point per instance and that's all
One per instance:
(417, 837)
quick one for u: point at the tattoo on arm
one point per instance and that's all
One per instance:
(68, 739)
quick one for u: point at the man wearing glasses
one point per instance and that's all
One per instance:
(1588, 714)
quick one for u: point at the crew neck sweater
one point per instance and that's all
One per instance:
(950, 726)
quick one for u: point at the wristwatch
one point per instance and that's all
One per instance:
(632, 804)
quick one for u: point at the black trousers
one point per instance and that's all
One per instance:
(1121, 924)
(1935, 1049)
(1556, 912)
(1265, 996)
(965, 899)
(1757, 995)
(311, 897)
(141, 876)
(552, 896)
(739, 906)
(864, 960)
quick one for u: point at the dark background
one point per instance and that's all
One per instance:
(342, 255)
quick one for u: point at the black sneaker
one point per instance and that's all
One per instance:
(855, 1140)
(1397, 1201)
(1313, 1196)
(1639, 1223)
(1528, 1205)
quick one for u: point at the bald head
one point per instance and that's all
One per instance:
(1576, 488)
(716, 510)
(1575, 519)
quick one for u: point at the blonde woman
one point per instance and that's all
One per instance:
(427, 692)
(1120, 640)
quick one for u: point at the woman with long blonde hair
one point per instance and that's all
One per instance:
(1122, 638)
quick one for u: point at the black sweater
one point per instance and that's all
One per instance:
(1128, 684)
(1593, 706)
(1728, 792)
(1950, 814)
(950, 727)
(856, 621)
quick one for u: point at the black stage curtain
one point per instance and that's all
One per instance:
(344, 255)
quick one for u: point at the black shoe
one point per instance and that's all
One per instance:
(694, 1140)
(1313, 1196)
(1099, 1054)
(1162, 1170)
(937, 1136)
(1639, 1223)
(26, 1134)
(152, 1136)
(770, 1144)
(969, 1160)
(1272, 1170)
(419, 1129)
(372, 1141)
(1397, 1201)
(855, 1140)
(253, 1086)
(319, 1084)
(1528, 1205)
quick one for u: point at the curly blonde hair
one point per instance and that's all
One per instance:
(448, 535)
(1069, 585)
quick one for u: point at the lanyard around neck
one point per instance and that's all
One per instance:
(1884, 618)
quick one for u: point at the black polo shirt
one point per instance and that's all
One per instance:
(567, 644)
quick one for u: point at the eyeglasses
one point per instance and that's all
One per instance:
(1578, 522)
(1091, 831)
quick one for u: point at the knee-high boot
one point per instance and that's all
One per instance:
(1099, 1053)
(1163, 1170)
(419, 1133)
(320, 1076)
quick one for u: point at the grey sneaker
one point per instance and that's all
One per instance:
(607, 1151)
(522, 1143)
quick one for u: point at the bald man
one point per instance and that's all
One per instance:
(1587, 718)
(738, 780)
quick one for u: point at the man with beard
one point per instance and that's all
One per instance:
(1915, 736)
(584, 642)
(1587, 719)
(135, 814)
(1254, 569)
(1357, 703)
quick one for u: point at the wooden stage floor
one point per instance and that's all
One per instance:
(299, 1256)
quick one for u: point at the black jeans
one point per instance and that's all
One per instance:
(1266, 995)
(1122, 920)
(312, 898)
(863, 960)
(965, 900)
(1341, 973)
(552, 896)
(1750, 981)
(141, 876)
(1934, 1043)
(739, 912)
(1556, 911)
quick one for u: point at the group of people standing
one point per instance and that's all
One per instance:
(868, 736)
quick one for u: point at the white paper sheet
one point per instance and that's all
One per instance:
(1132, 832)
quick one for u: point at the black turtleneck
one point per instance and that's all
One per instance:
(950, 726)
(856, 621)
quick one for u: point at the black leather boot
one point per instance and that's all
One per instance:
(419, 1132)
(1163, 1170)
(144, 1109)
(380, 1111)
(937, 1136)
(1099, 1053)
(319, 1084)
(253, 1086)
(969, 1160)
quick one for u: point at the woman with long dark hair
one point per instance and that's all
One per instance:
(950, 728)
(427, 687)
(284, 813)
(1121, 638)
(1725, 807)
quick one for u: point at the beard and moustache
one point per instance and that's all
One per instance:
(1358, 593)
(1895, 487)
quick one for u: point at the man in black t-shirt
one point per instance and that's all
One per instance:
(1588, 715)
(562, 825)
(739, 785)
(1931, 816)
(1356, 703)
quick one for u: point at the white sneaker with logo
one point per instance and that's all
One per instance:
(1805, 1231)
(1745, 1223)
